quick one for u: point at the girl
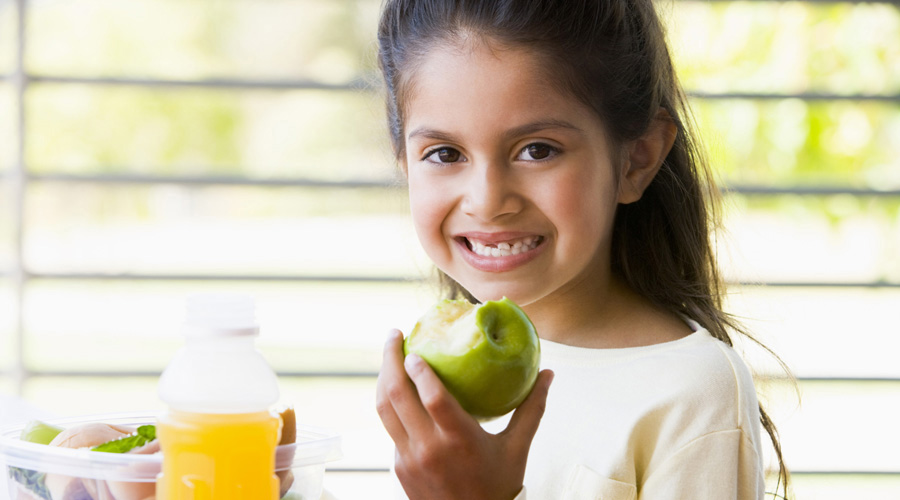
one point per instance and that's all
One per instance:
(549, 160)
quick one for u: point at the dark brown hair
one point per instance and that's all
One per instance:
(612, 56)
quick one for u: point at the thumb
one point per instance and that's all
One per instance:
(524, 422)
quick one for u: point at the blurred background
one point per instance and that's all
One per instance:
(152, 149)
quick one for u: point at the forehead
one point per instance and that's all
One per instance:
(476, 78)
(466, 55)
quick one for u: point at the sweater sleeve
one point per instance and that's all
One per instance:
(721, 465)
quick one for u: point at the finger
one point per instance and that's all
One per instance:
(527, 417)
(388, 414)
(388, 378)
(396, 389)
(437, 401)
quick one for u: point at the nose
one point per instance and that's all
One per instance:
(491, 192)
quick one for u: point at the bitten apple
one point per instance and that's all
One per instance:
(487, 355)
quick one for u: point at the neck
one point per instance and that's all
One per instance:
(604, 313)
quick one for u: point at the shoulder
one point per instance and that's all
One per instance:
(706, 374)
(711, 417)
(703, 392)
(697, 378)
(655, 403)
(704, 387)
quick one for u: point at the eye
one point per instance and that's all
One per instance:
(537, 151)
(443, 155)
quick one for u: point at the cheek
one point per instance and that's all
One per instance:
(584, 208)
(429, 211)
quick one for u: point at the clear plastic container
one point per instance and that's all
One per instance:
(133, 477)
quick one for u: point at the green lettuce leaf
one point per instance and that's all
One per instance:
(144, 435)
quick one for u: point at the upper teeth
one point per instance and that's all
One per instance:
(506, 248)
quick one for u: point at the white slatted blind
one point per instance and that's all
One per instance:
(155, 148)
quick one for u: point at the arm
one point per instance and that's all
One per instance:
(442, 452)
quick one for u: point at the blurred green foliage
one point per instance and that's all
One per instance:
(99, 130)
(792, 142)
(321, 40)
(794, 48)
(720, 47)
(771, 47)
(316, 134)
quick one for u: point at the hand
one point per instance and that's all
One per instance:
(442, 452)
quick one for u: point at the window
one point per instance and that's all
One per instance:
(156, 148)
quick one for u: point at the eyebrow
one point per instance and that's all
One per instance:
(526, 129)
(431, 134)
(530, 128)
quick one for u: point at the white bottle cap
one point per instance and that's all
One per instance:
(220, 314)
(219, 370)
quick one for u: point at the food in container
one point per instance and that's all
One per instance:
(42, 472)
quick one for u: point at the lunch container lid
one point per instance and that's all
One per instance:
(314, 446)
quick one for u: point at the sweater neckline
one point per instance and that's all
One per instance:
(557, 350)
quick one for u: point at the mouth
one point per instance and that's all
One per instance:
(500, 252)
(506, 248)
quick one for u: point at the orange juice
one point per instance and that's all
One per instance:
(218, 438)
(218, 456)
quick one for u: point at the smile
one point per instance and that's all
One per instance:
(504, 249)
(500, 252)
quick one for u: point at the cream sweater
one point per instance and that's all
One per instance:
(677, 420)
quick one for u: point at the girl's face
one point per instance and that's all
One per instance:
(511, 183)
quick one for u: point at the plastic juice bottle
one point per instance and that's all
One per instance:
(218, 436)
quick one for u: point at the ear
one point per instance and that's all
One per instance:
(644, 157)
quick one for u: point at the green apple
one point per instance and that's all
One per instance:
(487, 355)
